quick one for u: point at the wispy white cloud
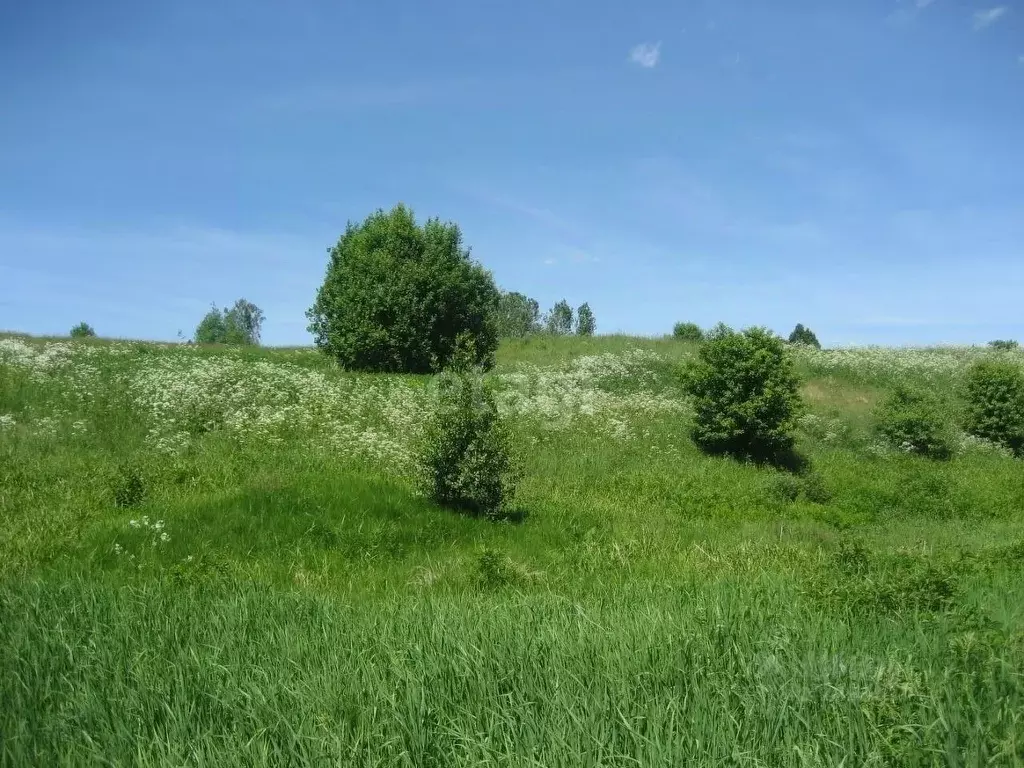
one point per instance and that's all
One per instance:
(647, 55)
(989, 16)
(923, 3)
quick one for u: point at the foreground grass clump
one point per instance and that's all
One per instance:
(221, 557)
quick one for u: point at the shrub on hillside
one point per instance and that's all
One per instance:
(911, 421)
(396, 296)
(994, 394)
(745, 395)
(809, 486)
(688, 332)
(1004, 345)
(586, 323)
(81, 331)
(240, 325)
(804, 335)
(467, 456)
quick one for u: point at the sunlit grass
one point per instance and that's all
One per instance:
(300, 604)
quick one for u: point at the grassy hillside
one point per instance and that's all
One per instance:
(216, 557)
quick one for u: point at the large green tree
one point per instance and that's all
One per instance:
(586, 323)
(239, 325)
(397, 295)
(517, 316)
(559, 320)
(244, 321)
(803, 335)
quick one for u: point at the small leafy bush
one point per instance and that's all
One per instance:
(745, 396)
(467, 456)
(803, 335)
(129, 488)
(787, 488)
(495, 570)
(814, 488)
(911, 421)
(994, 395)
(82, 331)
(464, 357)
(1004, 345)
(783, 487)
(688, 332)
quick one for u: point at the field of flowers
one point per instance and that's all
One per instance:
(218, 557)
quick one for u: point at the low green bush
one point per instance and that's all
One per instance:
(910, 420)
(745, 396)
(994, 395)
(467, 456)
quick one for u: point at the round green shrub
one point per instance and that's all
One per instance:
(396, 296)
(994, 395)
(81, 331)
(688, 332)
(911, 421)
(745, 395)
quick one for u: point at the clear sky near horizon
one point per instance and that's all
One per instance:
(854, 166)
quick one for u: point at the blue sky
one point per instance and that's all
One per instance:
(857, 166)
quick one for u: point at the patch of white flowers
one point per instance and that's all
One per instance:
(265, 402)
(826, 430)
(969, 443)
(160, 536)
(896, 361)
(562, 397)
(155, 534)
(181, 392)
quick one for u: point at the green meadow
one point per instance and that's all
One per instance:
(215, 556)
